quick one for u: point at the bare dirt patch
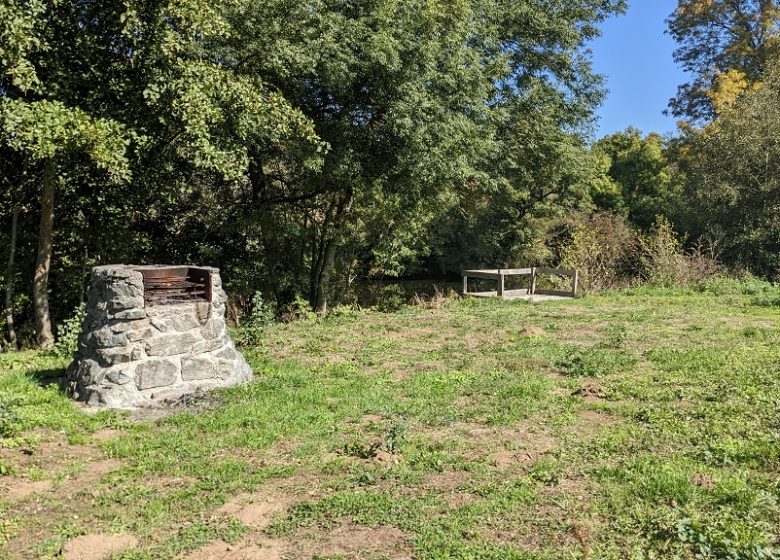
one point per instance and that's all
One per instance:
(106, 434)
(506, 448)
(49, 451)
(369, 419)
(81, 464)
(16, 489)
(254, 510)
(97, 546)
(95, 470)
(526, 449)
(703, 480)
(447, 484)
(354, 542)
(590, 423)
(221, 550)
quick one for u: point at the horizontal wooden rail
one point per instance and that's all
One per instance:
(557, 271)
(500, 275)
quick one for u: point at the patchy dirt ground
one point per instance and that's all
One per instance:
(483, 430)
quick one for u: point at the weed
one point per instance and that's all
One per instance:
(68, 333)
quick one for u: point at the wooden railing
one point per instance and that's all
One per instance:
(500, 275)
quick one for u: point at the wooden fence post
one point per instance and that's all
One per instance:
(575, 283)
(465, 285)
(533, 281)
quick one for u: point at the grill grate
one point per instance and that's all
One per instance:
(166, 286)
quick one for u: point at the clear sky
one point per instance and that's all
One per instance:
(635, 55)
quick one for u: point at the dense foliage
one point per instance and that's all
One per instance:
(297, 145)
(302, 146)
(734, 179)
(726, 45)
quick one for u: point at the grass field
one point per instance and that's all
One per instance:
(637, 425)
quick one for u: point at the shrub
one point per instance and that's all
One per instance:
(261, 316)
(390, 298)
(661, 255)
(298, 310)
(440, 298)
(68, 333)
(665, 264)
(722, 285)
(609, 254)
(602, 248)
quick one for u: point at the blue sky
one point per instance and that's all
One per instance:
(636, 57)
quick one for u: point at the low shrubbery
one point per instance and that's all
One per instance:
(68, 333)
(262, 314)
(609, 254)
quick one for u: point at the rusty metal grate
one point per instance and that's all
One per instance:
(167, 286)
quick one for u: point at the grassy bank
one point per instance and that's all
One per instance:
(644, 424)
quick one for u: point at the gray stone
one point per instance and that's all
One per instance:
(203, 311)
(171, 344)
(113, 396)
(156, 373)
(105, 338)
(123, 303)
(89, 372)
(198, 367)
(214, 328)
(207, 346)
(142, 334)
(226, 369)
(125, 289)
(121, 326)
(119, 376)
(180, 323)
(227, 354)
(113, 356)
(129, 314)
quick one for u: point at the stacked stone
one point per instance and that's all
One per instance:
(132, 355)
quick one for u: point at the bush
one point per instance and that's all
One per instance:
(390, 298)
(10, 421)
(603, 249)
(298, 310)
(438, 300)
(609, 254)
(68, 333)
(261, 316)
(661, 255)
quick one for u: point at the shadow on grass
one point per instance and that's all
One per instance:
(51, 376)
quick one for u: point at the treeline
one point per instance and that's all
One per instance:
(303, 145)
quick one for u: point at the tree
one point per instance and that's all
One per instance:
(127, 90)
(46, 132)
(296, 144)
(641, 167)
(726, 45)
(419, 103)
(733, 172)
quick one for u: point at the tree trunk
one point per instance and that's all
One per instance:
(43, 330)
(318, 255)
(10, 332)
(328, 264)
(329, 257)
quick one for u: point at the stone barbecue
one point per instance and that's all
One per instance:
(151, 334)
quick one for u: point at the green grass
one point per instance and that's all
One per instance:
(448, 426)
